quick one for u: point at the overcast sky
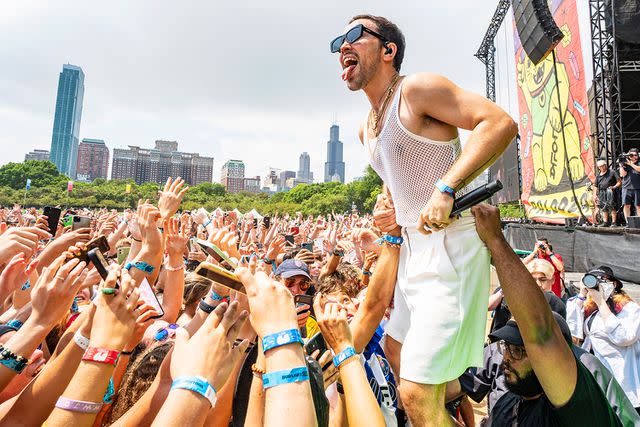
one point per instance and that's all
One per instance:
(254, 82)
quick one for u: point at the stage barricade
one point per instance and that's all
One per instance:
(583, 248)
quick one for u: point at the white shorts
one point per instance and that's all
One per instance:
(440, 302)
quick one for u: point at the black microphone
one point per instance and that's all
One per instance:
(476, 196)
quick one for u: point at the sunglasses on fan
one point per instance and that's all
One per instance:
(352, 35)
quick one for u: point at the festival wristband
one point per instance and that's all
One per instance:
(208, 222)
(392, 240)
(281, 338)
(197, 384)
(101, 355)
(344, 355)
(78, 405)
(81, 341)
(140, 265)
(14, 323)
(366, 272)
(444, 188)
(207, 308)
(273, 379)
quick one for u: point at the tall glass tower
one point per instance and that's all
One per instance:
(66, 123)
(304, 169)
(334, 166)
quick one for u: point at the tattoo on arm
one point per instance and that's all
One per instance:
(460, 183)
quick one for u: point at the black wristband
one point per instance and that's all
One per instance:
(338, 253)
(207, 308)
(126, 353)
(339, 387)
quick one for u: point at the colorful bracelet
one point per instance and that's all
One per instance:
(81, 340)
(217, 297)
(393, 241)
(15, 324)
(273, 379)
(140, 265)
(180, 267)
(209, 222)
(197, 384)
(281, 338)
(12, 360)
(444, 188)
(101, 355)
(344, 355)
(78, 405)
(366, 272)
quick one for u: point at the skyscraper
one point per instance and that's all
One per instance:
(232, 176)
(37, 155)
(304, 170)
(66, 123)
(159, 163)
(334, 166)
(93, 160)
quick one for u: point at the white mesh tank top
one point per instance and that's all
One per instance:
(409, 164)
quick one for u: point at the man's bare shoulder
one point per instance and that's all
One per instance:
(425, 83)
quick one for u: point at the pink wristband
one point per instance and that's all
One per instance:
(78, 405)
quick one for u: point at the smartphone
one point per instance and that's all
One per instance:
(123, 253)
(99, 262)
(307, 246)
(220, 276)
(53, 218)
(289, 238)
(80, 222)
(266, 221)
(255, 222)
(149, 297)
(304, 300)
(316, 342)
(217, 254)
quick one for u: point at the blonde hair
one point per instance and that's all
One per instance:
(541, 266)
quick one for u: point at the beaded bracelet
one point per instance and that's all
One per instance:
(11, 360)
(273, 379)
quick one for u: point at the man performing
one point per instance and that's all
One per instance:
(412, 141)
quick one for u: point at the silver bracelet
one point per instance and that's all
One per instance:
(82, 341)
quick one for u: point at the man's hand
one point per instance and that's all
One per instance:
(384, 214)
(436, 215)
(488, 223)
(148, 216)
(333, 324)
(171, 197)
(176, 242)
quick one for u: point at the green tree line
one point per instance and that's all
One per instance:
(49, 188)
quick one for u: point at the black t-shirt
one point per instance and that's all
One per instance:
(606, 180)
(632, 179)
(501, 314)
(587, 407)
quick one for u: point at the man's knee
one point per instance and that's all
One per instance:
(428, 396)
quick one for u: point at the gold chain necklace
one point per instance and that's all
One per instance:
(374, 116)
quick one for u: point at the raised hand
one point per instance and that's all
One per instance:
(146, 315)
(384, 214)
(53, 293)
(20, 239)
(365, 240)
(176, 241)
(487, 223)
(116, 313)
(148, 216)
(271, 303)
(171, 197)
(333, 324)
(276, 247)
(15, 274)
(211, 352)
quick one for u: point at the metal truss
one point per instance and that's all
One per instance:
(487, 49)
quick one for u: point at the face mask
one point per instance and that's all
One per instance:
(607, 289)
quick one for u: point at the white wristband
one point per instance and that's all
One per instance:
(82, 341)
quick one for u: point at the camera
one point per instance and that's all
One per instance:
(622, 159)
(591, 281)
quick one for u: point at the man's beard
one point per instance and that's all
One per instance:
(526, 386)
(367, 71)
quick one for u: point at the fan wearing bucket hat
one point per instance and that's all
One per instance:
(605, 193)
(550, 386)
(294, 274)
(611, 328)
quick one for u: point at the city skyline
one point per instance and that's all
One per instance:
(133, 94)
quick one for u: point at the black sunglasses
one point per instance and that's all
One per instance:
(352, 35)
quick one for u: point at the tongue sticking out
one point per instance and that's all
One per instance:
(346, 73)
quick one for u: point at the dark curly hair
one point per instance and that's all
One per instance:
(389, 31)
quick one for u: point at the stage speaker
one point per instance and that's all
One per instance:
(538, 31)
(570, 222)
(633, 222)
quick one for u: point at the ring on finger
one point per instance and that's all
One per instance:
(108, 291)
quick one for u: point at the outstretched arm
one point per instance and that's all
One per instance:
(551, 358)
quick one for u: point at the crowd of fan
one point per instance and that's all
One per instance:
(302, 343)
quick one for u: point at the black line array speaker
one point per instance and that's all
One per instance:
(538, 31)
